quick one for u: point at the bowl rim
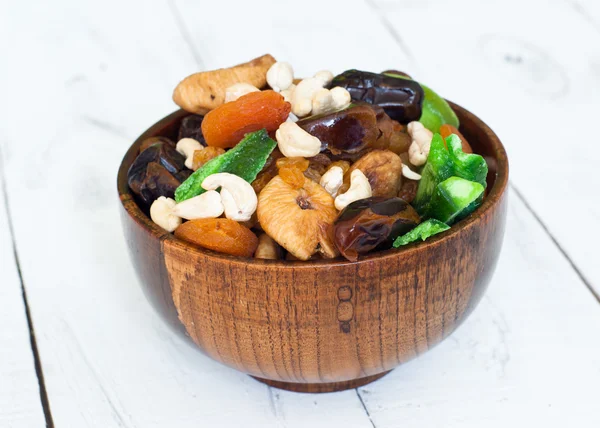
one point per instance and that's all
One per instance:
(490, 203)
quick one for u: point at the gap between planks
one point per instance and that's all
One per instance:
(34, 348)
(555, 241)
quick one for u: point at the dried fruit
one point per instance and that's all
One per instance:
(263, 179)
(383, 168)
(268, 172)
(156, 182)
(203, 156)
(191, 127)
(225, 126)
(157, 171)
(204, 91)
(345, 165)
(245, 160)
(298, 218)
(370, 223)
(408, 191)
(298, 163)
(401, 98)
(447, 130)
(155, 140)
(317, 167)
(292, 176)
(219, 234)
(394, 136)
(349, 130)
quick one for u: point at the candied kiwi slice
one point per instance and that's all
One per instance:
(245, 160)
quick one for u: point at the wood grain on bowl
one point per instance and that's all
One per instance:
(321, 326)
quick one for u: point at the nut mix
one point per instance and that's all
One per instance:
(278, 168)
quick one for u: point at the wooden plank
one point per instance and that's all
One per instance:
(528, 356)
(20, 404)
(537, 87)
(312, 36)
(108, 360)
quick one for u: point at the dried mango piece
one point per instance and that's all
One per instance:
(245, 160)
(219, 234)
(205, 91)
(225, 126)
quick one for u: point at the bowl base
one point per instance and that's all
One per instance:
(322, 387)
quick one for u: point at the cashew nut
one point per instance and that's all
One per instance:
(359, 189)
(280, 76)
(294, 141)
(288, 93)
(322, 101)
(267, 248)
(409, 173)
(421, 142)
(325, 76)
(161, 213)
(325, 100)
(237, 195)
(235, 91)
(332, 180)
(187, 147)
(341, 97)
(303, 95)
(292, 118)
(206, 205)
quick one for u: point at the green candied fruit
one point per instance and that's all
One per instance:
(455, 198)
(423, 231)
(444, 163)
(245, 160)
(436, 110)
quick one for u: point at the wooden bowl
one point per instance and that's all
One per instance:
(321, 326)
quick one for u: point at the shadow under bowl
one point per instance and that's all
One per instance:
(320, 326)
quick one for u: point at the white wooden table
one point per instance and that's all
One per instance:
(81, 347)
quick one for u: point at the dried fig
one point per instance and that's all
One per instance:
(297, 218)
(205, 91)
(383, 168)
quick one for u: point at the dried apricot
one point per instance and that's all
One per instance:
(204, 155)
(300, 163)
(226, 125)
(447, 130)
(219, 234)
(292, 176)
